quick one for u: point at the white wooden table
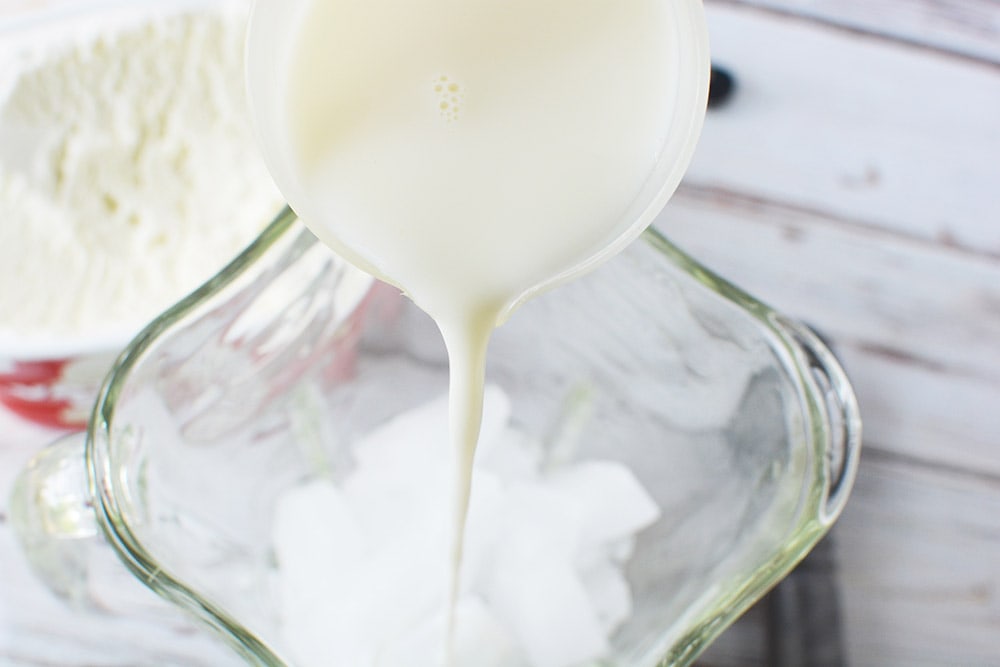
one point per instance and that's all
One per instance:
(853, 181)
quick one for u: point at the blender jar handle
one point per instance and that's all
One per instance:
(843, 417)
(52, 514)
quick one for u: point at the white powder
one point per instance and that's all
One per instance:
(128, 174)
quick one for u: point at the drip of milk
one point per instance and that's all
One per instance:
(475, 153)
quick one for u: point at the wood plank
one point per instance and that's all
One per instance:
(916, 324)
(918, 551)
(829, 121)
(838, 190)
(967, 28)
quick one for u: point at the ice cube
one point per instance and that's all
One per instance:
(516, 456)
(411, 437)
(540, 515)
(621, 550)
(483, 529)
(314, 531)
(614, 504)
(480, 640)
(319, 549)
(386, 499)
(390, 590)
(535, 592)
(323, 634)
(609, 592)
(405, 581)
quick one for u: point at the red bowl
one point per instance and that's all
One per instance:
(58, 392)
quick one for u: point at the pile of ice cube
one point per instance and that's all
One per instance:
(365, 564)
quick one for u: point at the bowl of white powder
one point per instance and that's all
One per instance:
(129, 175)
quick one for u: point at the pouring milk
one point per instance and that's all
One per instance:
(475, 152)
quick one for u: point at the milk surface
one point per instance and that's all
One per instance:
(468, 151)
(474, 152)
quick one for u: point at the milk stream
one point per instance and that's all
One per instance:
(466, 345)
(475, 152)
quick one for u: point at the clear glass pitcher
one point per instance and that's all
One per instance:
(258, 395)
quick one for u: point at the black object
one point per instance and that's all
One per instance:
(721, 87)
(803, 614)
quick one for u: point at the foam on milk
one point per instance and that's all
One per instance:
(474, 153)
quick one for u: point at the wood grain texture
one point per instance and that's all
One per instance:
(919, 549)
(909, 319)
(965, 28)
(852, 182)
(918, 559)
(856, 129)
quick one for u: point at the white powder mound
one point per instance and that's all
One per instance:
(129, 174)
